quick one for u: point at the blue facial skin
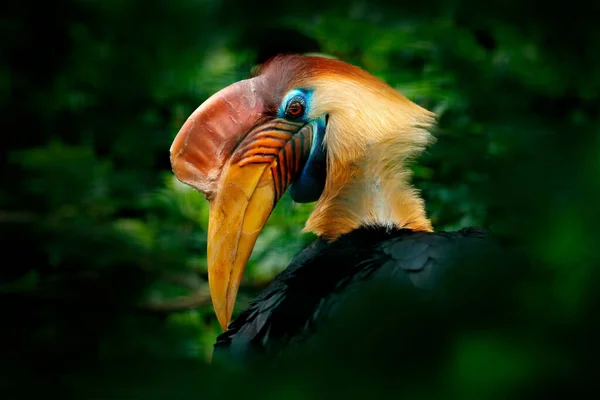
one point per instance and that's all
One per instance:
(310, 182)
(308, 185)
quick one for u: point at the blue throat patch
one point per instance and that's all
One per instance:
(309, 184)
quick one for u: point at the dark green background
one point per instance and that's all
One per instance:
(103, 273)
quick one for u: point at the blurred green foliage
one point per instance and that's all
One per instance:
(103, 276)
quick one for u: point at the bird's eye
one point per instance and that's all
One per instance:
(295, 108)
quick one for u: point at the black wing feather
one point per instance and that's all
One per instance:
(308, 293)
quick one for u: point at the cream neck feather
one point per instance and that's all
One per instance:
(372, 133)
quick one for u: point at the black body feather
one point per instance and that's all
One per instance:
(308, 295)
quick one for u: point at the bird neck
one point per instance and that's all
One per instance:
(374, 190)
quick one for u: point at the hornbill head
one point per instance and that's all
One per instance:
(327, 130)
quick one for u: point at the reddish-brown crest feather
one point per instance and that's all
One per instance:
(285, 72)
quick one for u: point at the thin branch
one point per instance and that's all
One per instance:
(195, 300)
(182, 303)
(189, 280)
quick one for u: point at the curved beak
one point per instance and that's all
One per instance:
(243, 162)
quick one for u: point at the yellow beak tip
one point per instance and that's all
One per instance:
(224, 323)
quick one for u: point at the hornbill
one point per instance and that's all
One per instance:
(331, 133)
